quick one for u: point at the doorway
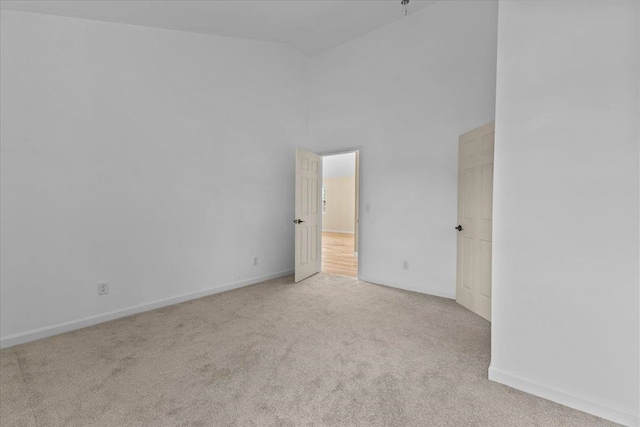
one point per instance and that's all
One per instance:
(340, 213)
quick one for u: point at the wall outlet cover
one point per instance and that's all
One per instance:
(103, 288)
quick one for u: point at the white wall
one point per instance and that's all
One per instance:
(566, 259)
(404, 93)
(160, 161)
(340, 215)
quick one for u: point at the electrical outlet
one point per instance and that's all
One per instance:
(255, 260)
(405, 265)
(103, 288)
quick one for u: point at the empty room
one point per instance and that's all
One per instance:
(328, 213)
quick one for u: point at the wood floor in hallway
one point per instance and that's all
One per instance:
(337, 254)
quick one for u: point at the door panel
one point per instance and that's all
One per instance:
(486, 194)
(475, 215)
(467, 259)
(303, 237)
(485, 269)
(308, 214)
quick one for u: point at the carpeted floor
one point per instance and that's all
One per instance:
(328, 351)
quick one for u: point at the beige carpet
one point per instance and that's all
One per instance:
(328, 351)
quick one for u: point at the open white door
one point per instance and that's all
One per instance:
(475, 213)
(308, 214)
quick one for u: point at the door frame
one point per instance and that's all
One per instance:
(347, 150)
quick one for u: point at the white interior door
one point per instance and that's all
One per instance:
(475, 213)
(308, 214)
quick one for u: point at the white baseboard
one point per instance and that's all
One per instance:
(338, 231)
(72, 325)
(562, 397)
(433, 292)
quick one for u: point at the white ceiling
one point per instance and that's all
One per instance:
(310, 26)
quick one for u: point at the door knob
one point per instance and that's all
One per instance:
(298, 221)
(459, 228)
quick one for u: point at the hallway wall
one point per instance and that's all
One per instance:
(341, 203)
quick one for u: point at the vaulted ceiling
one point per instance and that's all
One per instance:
(310, 26)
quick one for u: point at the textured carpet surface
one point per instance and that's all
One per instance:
(328, 351)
